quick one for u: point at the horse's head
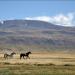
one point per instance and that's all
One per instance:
(29, 52)
(13, 53)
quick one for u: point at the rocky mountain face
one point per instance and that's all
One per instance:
(32, 32)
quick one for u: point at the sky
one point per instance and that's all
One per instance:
(57, 11)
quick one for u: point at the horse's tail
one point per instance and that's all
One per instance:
(5, 56)
(20, 56)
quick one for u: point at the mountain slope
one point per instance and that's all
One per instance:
(39, 33)
(31, 24)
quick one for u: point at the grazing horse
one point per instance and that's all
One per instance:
(25, 55)
(9, 55)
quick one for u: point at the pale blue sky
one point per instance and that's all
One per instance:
(20, 9)
(57, 11)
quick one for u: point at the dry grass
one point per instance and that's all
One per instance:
(41, 58)
(39, 64)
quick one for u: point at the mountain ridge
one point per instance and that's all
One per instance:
(39, 33)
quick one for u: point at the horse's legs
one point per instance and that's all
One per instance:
(20, 57)
(5, 56)
(27, 57)
(23, 57)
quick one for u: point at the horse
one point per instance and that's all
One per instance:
(25, 55)
(9, 55)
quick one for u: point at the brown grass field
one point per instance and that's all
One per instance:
(42, 58)
(46, 63)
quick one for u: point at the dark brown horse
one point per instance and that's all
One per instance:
(9, 55)
(22, 55)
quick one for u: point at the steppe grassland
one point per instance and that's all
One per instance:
(57, 58)
(46, 63)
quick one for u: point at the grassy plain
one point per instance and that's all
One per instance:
(46, 63)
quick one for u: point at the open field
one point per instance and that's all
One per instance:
(26, 69)
(39, 64)
(42, 58)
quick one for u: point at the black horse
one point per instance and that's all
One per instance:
(25, 55)
(9, 55)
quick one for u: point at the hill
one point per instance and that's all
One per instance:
(36, 34)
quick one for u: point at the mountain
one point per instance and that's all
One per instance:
(36, 33)
(28, 24)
